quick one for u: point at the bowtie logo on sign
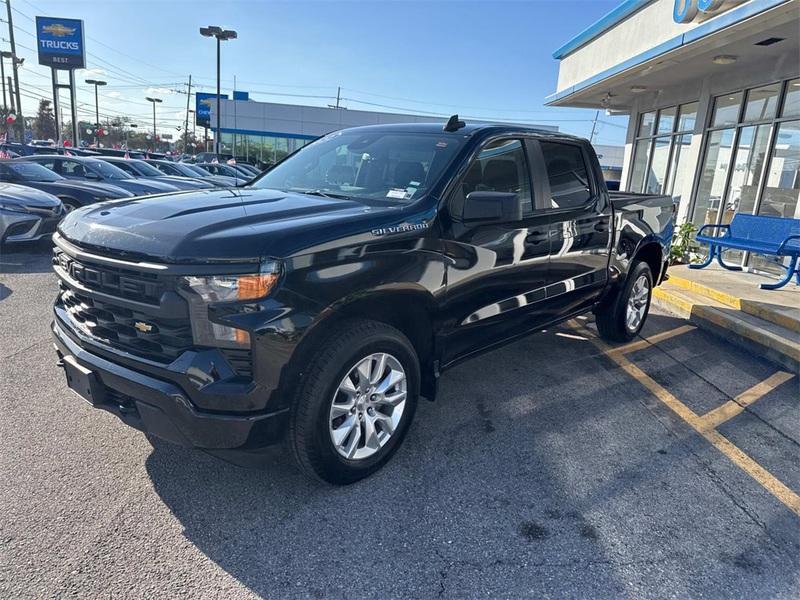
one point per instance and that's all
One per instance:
(687, 11)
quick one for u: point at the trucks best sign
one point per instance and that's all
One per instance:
(60, 43)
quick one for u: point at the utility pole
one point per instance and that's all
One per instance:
(186, 125)
(3, 77)
(338, 95)
(14, 64)
(594, 126)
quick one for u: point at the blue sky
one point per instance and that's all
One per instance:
(487, 59)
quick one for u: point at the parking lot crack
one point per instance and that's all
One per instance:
(25, 349)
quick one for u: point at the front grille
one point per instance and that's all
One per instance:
(116, 281)
(154, 338)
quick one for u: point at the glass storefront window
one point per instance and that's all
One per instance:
(658, 167)
(748, 164)
(648, 120)
(782, 188)
(687, 117)
(762, 103)
(726, 110)
(712, 180)
(681, 169)
(641, 158)
(666, 119)
(791, 104)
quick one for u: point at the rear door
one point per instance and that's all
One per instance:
(499, 269)
(580, 221)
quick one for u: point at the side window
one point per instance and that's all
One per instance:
(500, 167)
(72, 168)
(49, 163)
(567, 173)
(125, 167)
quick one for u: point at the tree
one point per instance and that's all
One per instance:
(44, 124)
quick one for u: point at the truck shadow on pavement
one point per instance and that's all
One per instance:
(29, 257)
(540, 470)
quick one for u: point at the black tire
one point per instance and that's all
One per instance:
(611, 317)
(309, 437)
(70, 204)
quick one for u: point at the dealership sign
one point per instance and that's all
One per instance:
(60, 43)
(687, 11)
(203, 102)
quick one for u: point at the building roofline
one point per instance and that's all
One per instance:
(620, 13)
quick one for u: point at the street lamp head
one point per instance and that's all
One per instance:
(95, 82)
(210, 31)
(149, 99)
(6, 54)
(228, 34)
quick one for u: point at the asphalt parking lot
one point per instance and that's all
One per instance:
(553, 467)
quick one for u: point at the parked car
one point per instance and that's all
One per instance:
(73, 194)
(143, 170)
(248, 171)
(224, 171)
(93, 169)
(27, 215)
(119, 153)
(187, 170)
(322, 301)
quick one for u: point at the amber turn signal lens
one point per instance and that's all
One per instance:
(252, 287)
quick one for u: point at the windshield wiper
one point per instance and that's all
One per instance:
(322, 193)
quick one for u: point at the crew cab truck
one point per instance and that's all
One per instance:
(317, 304)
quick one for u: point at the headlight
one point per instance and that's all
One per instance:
(205, 290)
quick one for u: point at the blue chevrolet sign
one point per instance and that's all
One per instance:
(60, 43)
(202, 107)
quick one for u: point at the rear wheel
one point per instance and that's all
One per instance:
(355, 402)
(621, 319)
(69, 205)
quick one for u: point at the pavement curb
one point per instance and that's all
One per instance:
(751, 332)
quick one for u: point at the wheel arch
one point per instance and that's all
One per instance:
(411, 311)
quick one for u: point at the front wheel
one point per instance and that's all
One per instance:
(621, 319)
(355, 402)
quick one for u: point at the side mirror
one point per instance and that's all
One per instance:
(491, 206)
(91, 175)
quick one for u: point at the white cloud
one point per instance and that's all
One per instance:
(117, 95)
(93, 72)
(159, 90)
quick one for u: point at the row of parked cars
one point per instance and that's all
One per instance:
(37, 190)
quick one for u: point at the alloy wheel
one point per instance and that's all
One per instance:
(367, 406)
(637, 303)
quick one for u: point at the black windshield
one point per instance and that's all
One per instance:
(385, 166)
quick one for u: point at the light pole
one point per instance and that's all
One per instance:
(154, 101)
(221, 35)
(3, 55)
(96, 83)
(133, 125)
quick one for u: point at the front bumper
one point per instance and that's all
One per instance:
(161, 407)
(23, 227)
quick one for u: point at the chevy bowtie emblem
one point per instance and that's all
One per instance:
(58, 30)
(143, 327)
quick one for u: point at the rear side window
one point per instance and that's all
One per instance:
(501, 167)
(567, 174)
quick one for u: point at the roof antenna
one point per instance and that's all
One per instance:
(453, 124)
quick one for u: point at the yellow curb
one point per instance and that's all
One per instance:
(751, 307)
(713, 315)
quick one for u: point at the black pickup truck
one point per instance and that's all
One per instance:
(318, 303)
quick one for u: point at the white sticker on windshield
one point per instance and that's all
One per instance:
(396, 193)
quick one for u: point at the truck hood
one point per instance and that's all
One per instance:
(223, 225)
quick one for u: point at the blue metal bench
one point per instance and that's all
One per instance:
(773, 236)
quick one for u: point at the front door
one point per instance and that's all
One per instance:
(499, 269)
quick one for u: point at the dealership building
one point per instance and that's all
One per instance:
(712, 88)
(268, 131)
